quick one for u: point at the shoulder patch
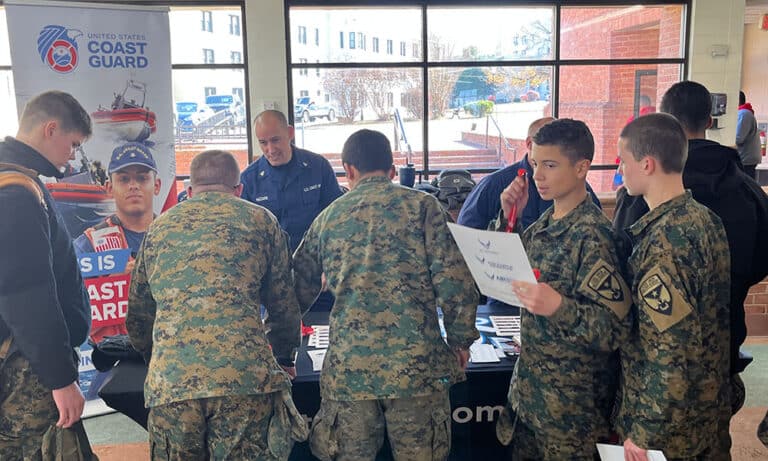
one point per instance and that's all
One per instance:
(665, 304)
(605, 285)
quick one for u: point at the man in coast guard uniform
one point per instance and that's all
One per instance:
(293, 183)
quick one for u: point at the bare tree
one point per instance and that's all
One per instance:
(441, 80)
(378, 85)
(346, 87)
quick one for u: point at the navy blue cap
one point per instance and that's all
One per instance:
(132, 153)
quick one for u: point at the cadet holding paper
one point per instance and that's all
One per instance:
(559, 403)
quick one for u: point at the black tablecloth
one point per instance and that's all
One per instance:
(475, 403)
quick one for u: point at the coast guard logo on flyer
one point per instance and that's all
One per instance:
(57, 48)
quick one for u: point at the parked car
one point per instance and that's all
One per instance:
(307, 110)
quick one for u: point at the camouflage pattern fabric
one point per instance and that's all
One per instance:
(564, 383)
(204, 268)
(27, 410)
(675, 365)
(28, 416)
(389, 259)
(419, 428)
(236, 428)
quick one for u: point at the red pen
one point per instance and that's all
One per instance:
(513, 212)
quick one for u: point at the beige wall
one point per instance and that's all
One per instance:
(715, 22)
(755, 68)
(718, 22)
(267, 77)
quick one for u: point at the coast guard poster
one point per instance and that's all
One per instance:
(116, 60)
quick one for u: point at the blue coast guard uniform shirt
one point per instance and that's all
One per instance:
(295, 192)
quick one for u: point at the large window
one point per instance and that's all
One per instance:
(210, 98)
(461, 92)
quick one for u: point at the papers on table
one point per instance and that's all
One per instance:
(616, 453)
(482, 353)
(319, 337)
(506, 325)
(495, 259)
(317, 356)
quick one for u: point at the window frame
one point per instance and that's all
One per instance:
(556, 62)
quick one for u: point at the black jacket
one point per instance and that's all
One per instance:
(714, 175)
(43, 303)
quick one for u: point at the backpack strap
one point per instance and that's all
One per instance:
(15, 175)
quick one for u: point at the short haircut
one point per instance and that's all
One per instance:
(742, 98)
(368, 151)
(213, 168)
(536, 125)
(273, 114)
(690, 103)
(644, 100)
(660, 136)
(572, 137)
(59, 106)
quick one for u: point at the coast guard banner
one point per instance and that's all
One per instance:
(116, 61)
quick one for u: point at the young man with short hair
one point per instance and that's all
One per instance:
(218, 384)
(575, 318)
(672, 366)
(390, 260)
(44, 309)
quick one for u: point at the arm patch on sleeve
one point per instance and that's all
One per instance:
(664, 303)
(604, 285)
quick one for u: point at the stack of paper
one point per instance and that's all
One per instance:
(317, 356)
(507, 325)
(482, 353)
(319, 338)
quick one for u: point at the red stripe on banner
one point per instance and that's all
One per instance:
(172, 198)
(109, 299)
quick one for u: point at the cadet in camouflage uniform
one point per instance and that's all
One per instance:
(390, 261)
(675, 366)
(575, 317)
(214, 388)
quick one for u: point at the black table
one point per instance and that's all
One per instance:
(475, 403)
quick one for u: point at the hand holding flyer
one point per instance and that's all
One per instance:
(495, 259)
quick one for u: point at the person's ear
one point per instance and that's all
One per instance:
(157, 184)
(582, 167)
(709, 123)
(392, 173)
(238, 191)
(189, 191)
(49, 128)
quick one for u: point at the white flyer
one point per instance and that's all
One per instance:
(616, 453)
(495, 260)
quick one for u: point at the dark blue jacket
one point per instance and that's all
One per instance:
(483, 203)
(43, 303)
(295, 194)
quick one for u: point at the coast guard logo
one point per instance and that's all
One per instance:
(57, 48)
